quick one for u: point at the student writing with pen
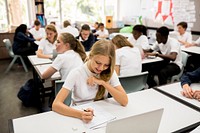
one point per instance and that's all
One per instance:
(91, 82)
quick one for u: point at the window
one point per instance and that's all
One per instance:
(3, 16)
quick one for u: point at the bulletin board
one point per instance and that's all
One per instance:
(157, 13)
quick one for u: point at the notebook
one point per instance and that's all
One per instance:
(143, 123)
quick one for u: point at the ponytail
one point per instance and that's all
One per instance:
(80, 50)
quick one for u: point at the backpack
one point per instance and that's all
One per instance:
(29, 95)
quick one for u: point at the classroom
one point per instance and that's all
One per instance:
(99, 66)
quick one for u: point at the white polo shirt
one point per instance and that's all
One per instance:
(130, 60)
(66, 62)
(46, 46)
(76, 82)
(172, 45)
(186, 37)
(71, 30)
(141, 41)
(102, 33)
(38, 33)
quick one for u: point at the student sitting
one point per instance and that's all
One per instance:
(85, 37)
(95, 27)
(186, 80)
(37, 32)
(69, 29)
(102, 33)
(91, 82)
(139, 38)
(47, 45)
(128, 57)
(171, 53)
(182, 35)
(23, 42)
(71, 55)
(196, 43)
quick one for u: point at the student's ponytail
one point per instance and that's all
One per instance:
(80, 50)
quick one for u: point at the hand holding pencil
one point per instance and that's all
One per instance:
(87, 115)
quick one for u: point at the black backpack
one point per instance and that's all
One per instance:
(29, 95)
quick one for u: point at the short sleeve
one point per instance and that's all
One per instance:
(57, 63)
(114, 81)
(71, 80)
(175, 46)
(42, 44)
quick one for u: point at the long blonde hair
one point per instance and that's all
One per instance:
(106, 48)
(74, 44)
(121, 41)
(52, 28)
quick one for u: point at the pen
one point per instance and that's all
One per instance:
(87, 111)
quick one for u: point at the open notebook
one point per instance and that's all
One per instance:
(143, 123)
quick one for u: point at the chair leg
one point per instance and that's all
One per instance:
(24, 65)
(11, 64)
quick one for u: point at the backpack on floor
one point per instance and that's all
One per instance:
(28, 94)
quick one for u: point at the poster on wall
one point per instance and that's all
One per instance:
(168, 12)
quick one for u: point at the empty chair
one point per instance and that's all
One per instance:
(134, 83)
(10, 51)
(58, 86)
(184, 62)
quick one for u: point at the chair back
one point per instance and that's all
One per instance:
(58, 86)
(8, 45)
(184, 58)
(134, 83)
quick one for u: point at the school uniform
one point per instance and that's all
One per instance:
(76, 82)
(130, 61)
(71, 30)
(38, 33)
(141, 41)
(87, 43)
(46, 46)
(186, 37)
(102, 33)
(67, 61)
(167, 68)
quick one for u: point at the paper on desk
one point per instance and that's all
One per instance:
(101, 116)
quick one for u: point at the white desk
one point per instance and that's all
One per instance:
(149, 60)
(176, 116)
(40, 69)
(175, 89)
(38, 61)
(127, 35)
(192, 50)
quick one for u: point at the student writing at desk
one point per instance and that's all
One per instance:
(47, 45)
(171, 53)
(71, 55)
(91, 82)
(102, 32)
(186, 80)
(128, 57)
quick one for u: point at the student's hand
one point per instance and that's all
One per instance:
(196, 95)
(87, 115)
(150, 54)
(187, 91)
(93, 80)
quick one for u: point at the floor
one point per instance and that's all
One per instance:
(10, 83)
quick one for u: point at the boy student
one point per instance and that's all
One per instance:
(186, 80)
(91, 82)
(183, 36)
(86, 37)
(170, 51)
(68, 28)
(71, 55)
(37, 32)
(102, 32)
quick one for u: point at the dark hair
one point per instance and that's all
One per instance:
(164, 31)
(101, 24)
(37, 22)
(22, 28)
(66, 23)
(74, 44)
(183, 24)
(140, 28)
(85, 27)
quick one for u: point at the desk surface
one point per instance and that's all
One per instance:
(176, 116)
(175, 89)
(149, 60)
(38, 61)
(40, 69)
(192, 50)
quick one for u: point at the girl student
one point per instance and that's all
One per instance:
(128, 57)
(47, 45)
(71, 55)
(91, 82)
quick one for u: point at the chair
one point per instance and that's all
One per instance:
(58, 86)
(184, 62)
(10, 52)
(134, 83)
